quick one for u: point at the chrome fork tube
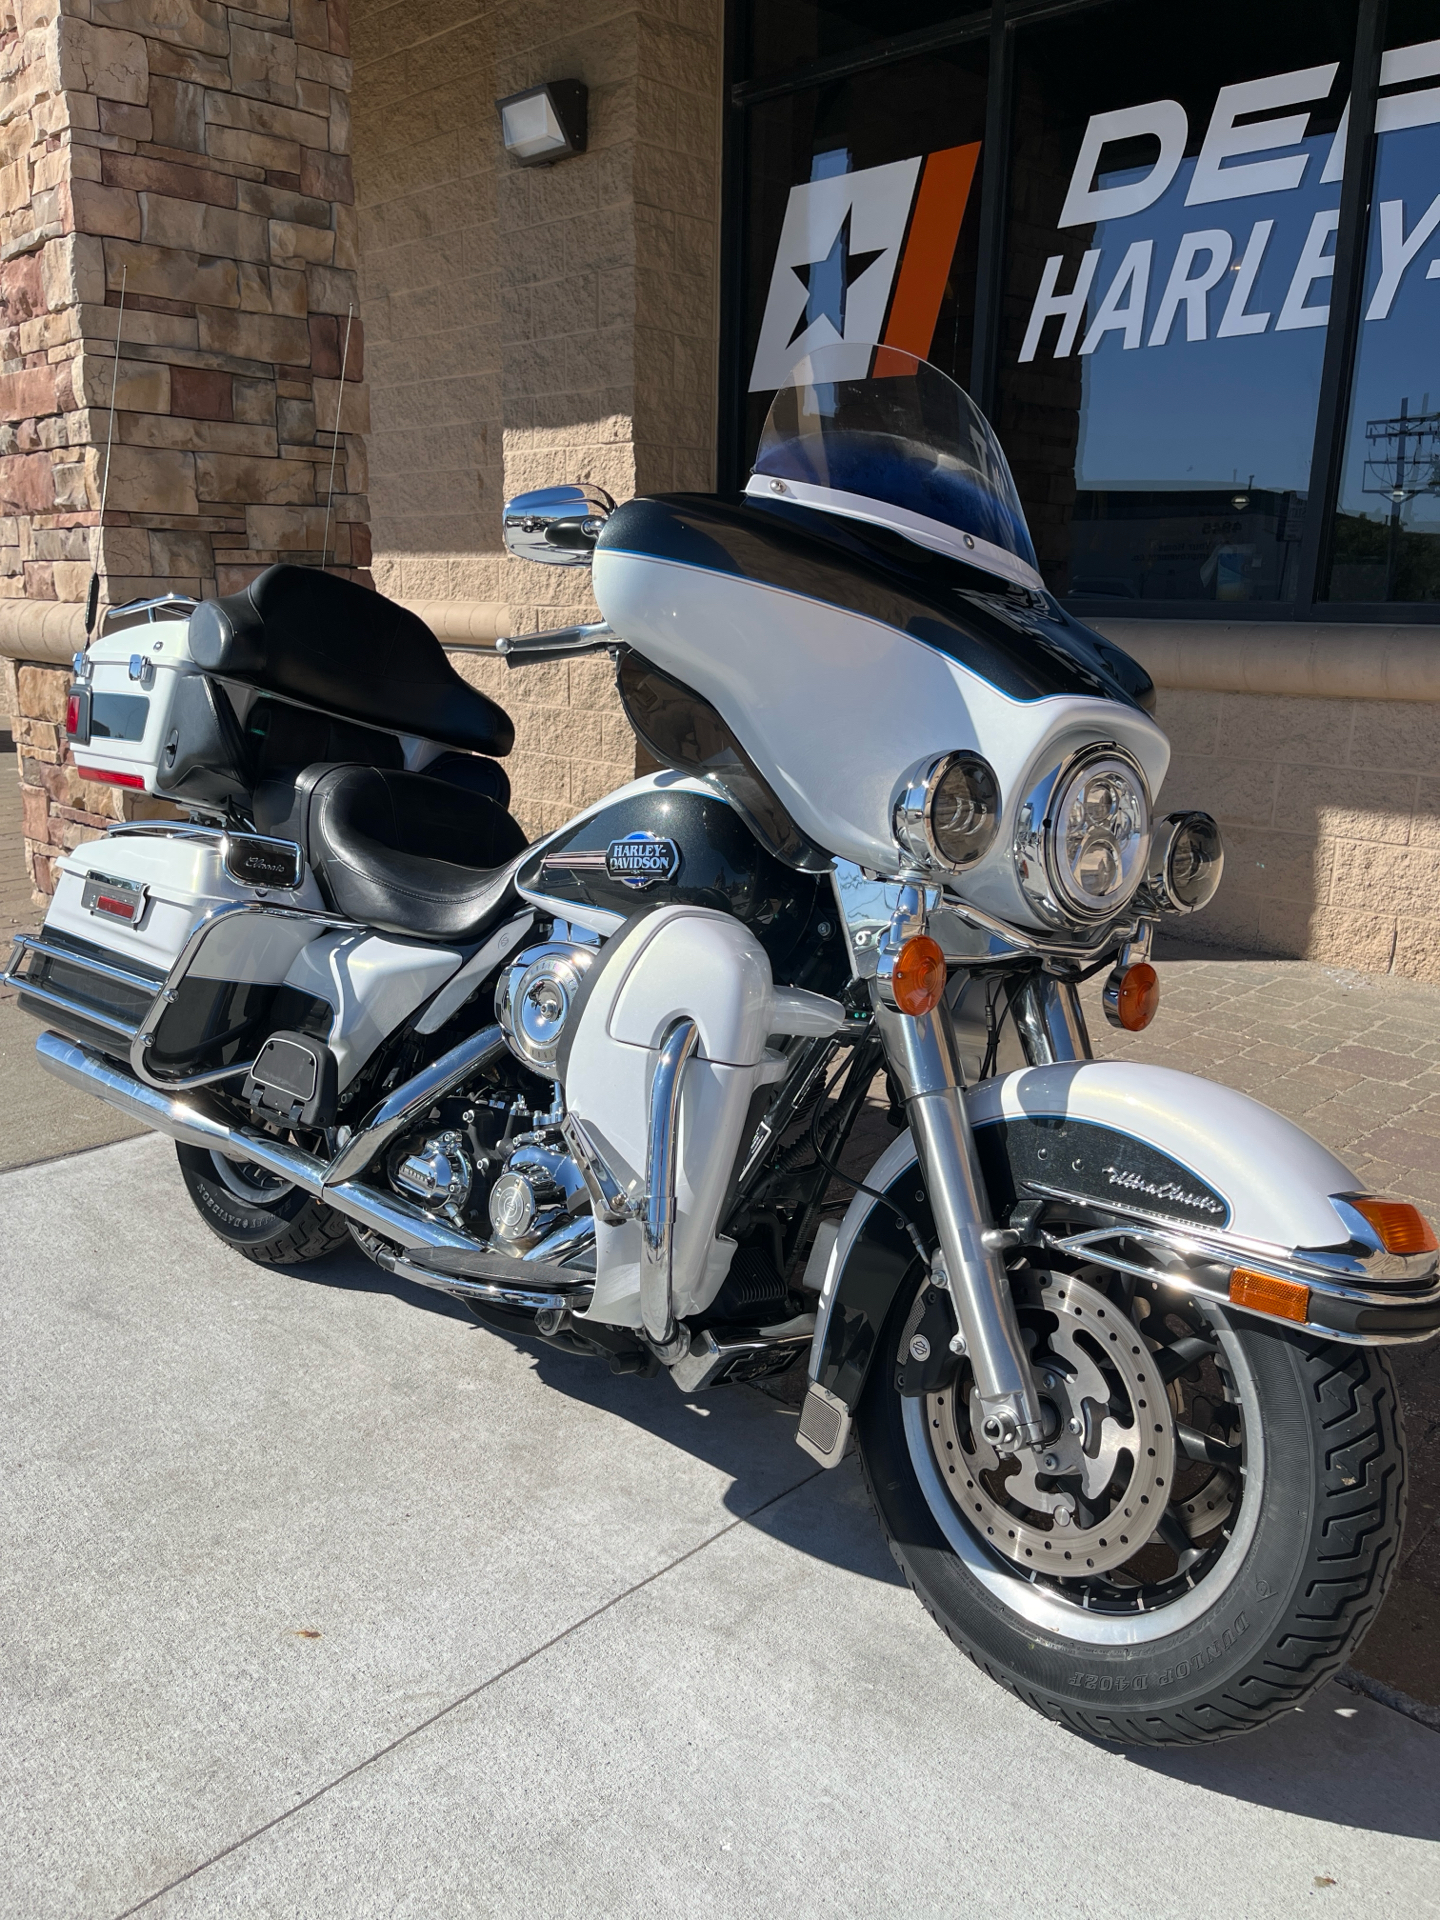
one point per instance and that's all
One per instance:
(1051, 1021)
(921, 1052)
(657, 1239)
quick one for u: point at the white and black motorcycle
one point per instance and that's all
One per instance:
(1108, 1338)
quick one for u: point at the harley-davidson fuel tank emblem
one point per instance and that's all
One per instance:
(642, 860)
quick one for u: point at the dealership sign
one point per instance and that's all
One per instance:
(860, 254)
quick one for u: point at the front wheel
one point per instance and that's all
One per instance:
(1201, 1542)
(269, 1220)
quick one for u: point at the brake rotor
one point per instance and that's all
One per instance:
(1090, 1497)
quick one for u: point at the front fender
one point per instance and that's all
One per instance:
(1141, 1143)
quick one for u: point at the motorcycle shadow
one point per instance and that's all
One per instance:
(745, 1432)
(1341, 1758)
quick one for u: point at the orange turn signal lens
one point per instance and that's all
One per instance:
(1132, 997)
(1285, 1299)
(1401, 1227)
(918, 977)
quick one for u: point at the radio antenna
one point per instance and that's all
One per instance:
(92, 598)
(335, 437)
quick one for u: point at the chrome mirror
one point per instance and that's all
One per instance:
(556, 525)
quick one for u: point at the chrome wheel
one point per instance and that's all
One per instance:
(1136, 1511)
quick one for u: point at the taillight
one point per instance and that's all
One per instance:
(77, 715)
(110, 779)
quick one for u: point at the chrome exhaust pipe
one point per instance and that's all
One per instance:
(410, 1101)
(185, 1119)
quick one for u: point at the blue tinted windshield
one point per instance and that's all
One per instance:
(901, 444)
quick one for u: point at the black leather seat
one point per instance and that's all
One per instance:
(312, 637)
(408, 854)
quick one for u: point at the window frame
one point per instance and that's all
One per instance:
(1000, 24)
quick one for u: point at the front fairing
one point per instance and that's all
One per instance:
(843, 655)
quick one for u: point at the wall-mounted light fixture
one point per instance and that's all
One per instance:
(544, 123)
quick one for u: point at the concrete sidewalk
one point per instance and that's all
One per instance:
(39, 1117)
(320, 1601)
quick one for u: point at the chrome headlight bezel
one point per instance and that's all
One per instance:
(913, 819)
(1041, 870)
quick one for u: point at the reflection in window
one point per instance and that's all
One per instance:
(1386, 537)
(1171, 243)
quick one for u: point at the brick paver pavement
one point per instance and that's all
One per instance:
(1354, 1058)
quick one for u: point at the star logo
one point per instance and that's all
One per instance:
(834, 267)
(827, 282)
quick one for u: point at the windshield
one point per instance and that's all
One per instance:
(901, 446)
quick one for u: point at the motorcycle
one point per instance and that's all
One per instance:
(1108, 1339)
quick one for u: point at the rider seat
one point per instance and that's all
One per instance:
(408, 854)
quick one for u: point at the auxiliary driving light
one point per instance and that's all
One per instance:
(1187, 859)
(948, 812)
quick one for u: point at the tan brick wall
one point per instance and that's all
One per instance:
(527, 326)
(1331, 816)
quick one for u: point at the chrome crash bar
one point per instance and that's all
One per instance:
(1203, 1267)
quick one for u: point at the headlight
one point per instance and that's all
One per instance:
(1186, 861)
(949, 812)
(1082, 837)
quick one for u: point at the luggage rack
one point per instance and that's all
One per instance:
(155, 992)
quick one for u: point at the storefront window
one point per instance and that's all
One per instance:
(1176, 185)
(784, 34)
(862, 220)
(1386, 536)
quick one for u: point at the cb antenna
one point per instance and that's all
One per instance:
(92, 598)
(335, 437)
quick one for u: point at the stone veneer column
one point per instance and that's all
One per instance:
(531, 325)
(199, 151)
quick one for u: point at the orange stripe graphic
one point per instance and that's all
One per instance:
(925, 265)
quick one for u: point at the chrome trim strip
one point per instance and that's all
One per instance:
(168, 829)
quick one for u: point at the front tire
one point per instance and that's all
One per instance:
(1190, 1642)
(267, 1220)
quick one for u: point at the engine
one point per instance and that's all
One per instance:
(536, 996)
(499, 1166)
